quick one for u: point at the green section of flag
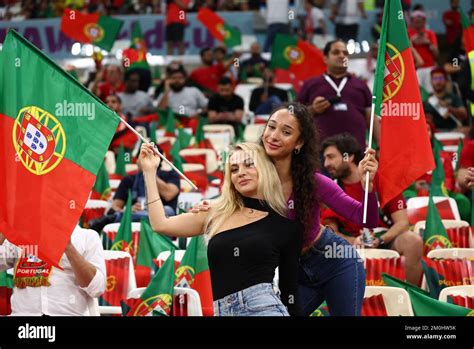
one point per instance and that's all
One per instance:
(170, 122)
(151, 244)
(102, 184)
(33, 79)
(6, 280)
(153, 126)
(174, 152)
(232, 36)
(435, 235)
(393, 40)
(111, 28)
(123, 238)
(434, 280)
(120, 163)
(392, 281)
(427, 306)
(279, 47)
(184, 138)
(438, 187)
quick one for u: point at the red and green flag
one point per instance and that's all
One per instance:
(101, 189)
(219, 29)
(153, 126)
(438, 186)
(176, 158)
(120, 169)
(184, 138)
(297, 56)
(157, 297)
(458, 156)
(150, 246)
(123, 239)
(434, 235)
(170, 123)
(117, 281)
(101, 31)
(54, 136)
(199, 140)
(405, 149)
(135, 56)
(193, 272)
(392, 281)
(426, 306)
(322, 310)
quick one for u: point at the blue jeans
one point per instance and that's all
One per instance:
(338, 278)
(257, 300)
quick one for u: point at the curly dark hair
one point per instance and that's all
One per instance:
(304, 165)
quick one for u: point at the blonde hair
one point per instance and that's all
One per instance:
(230, 200)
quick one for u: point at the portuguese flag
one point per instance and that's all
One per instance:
(438, 187)
(435, 235)
(193, 272)
(120, 163)
(405, 149)
(390, 280)
(219, 29)
(53, 134)
(426, 306)
(101, 189)
(297, 56)
(135, 56)
(123, 239)
(150, 246)
(6, 289)
(157, 297)
(199, 140)
(174, 152)
(101, 31)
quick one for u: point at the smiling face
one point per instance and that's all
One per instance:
(243, 173)
(281, 135)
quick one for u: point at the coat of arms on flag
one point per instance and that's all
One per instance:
(39, 140)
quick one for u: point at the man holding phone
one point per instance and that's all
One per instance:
(339, 101)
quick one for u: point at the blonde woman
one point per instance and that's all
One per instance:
(247, 231)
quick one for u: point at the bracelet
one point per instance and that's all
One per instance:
(149, 203)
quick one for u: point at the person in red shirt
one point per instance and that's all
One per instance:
(342, 154)
(207, 76)
(175, 24)
(425, 43)
(452, 22)
(465, 175)
(113, 83)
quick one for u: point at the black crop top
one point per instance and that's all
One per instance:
(248, 255)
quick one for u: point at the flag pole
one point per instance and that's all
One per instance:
(366, 233)
(157, 152)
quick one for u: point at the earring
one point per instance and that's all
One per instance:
(297, 151)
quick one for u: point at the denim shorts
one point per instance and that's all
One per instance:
(257, 300)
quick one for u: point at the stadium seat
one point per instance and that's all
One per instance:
(463, 291)
(452, 253)
(449, 138)
(245, 91)
(111, 229)
(417, 208)
(377, 261)
(211, 157)
(221, 136)
(253, 132)
(94, 209)
(131, 284)
(110, 162)
(397, 301)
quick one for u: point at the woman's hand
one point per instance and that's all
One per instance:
(203, 206)
(149, 160)
(368, 164)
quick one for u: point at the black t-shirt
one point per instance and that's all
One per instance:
(219, 105)
(272, 91)
(136, 185)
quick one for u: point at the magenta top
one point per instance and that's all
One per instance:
(329, 193)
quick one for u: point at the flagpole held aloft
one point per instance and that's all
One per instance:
(367, 238)
(157, 152)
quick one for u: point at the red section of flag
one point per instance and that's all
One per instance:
(374, 306)
(212, 22)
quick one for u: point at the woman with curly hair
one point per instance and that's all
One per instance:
(291, 141)
(329, 267)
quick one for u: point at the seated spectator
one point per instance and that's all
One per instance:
(39, 289)
(267, 97)
(425, 43)
(134, 102)
(122, 134)
(342, 154)
(186, 101)
(254, 66)
(226, 107)
(168, 183)
(465, 175)
(444, 108)
(113, 83)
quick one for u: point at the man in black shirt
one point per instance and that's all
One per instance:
(226, 107)
(267, 97)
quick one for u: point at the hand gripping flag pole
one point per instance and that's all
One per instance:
(158, 153)
(366, 236)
